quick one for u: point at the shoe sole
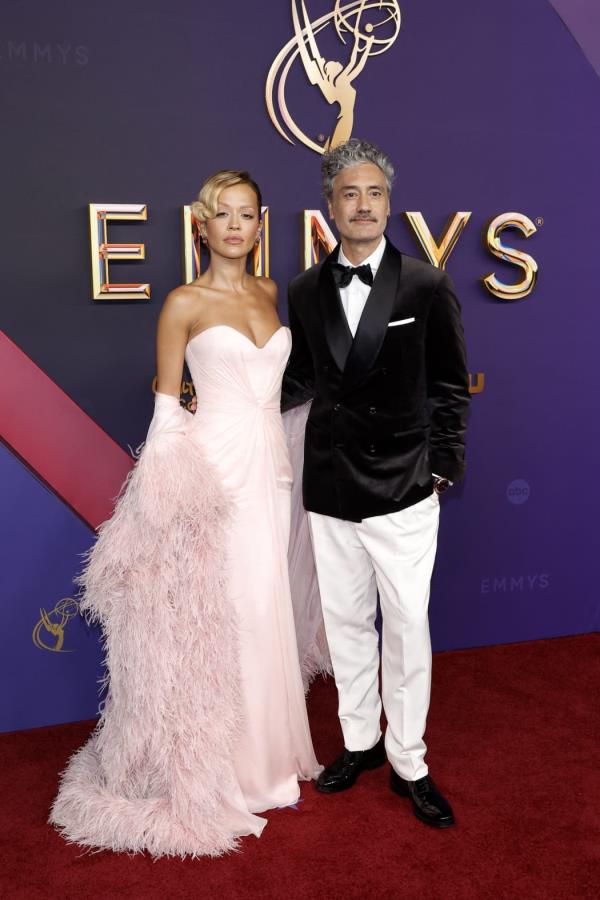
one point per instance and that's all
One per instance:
(337, 789)
(448, 823)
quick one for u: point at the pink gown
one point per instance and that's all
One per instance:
(239, 427)
(205, 722)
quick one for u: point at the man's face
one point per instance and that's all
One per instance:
(360, 204)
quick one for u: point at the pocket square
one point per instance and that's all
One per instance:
(401, 322)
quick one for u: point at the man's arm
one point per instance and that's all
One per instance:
(447, 383)
(299, 376)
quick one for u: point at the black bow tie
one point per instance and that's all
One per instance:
(343, 275)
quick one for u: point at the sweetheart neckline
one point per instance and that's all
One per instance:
(241, 334)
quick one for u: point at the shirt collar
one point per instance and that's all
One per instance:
(374, 260)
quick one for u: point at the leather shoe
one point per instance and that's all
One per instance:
(342, 773)
(429, 805)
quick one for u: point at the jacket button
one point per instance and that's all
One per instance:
(372, 410)
(339, 446)
(326, 368)
(336, 407)
(383, 371)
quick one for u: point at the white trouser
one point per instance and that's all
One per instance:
(393, 554)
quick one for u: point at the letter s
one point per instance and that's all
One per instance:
(508, 254)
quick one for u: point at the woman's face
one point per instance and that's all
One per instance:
(236, 226)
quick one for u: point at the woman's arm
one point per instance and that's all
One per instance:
(171, 340)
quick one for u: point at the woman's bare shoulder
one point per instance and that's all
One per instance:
(267, 287)
(184, 302)
(185, 295)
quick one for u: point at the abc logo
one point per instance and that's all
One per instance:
(518, 491)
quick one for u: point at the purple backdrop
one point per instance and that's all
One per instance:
(486, 107)
(582, 17)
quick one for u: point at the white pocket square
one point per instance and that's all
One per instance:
(401, 322)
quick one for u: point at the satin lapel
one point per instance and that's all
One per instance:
(375, 318)
(337, 333)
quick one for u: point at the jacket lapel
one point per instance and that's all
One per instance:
(375, 318)
(337, 333)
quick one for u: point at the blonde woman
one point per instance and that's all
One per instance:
(205, 723)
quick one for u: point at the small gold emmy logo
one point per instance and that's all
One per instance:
(371, 26)
(49, 631)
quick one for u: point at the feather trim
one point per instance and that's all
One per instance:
(156, 773)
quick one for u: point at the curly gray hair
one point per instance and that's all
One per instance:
(353, 153)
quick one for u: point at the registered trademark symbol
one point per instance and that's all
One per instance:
(539, 221)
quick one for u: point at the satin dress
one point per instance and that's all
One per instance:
(239, 428)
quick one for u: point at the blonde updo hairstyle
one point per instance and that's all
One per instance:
(205, 207)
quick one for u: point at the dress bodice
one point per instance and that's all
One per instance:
(238, 388)
(227, 367)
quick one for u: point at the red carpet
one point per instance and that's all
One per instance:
(513, 735)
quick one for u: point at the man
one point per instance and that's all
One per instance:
(378, 346)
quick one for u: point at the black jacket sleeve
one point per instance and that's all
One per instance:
(447, 383)
(299, 376)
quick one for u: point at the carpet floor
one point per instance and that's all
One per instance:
(513, 741)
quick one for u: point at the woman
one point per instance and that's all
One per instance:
(205, 721)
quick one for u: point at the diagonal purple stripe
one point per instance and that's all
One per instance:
(582, 18)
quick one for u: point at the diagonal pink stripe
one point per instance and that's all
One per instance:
(57, 439)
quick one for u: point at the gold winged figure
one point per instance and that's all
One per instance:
(333, 78)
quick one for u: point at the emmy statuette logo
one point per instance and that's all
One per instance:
(367, 27)
(49, 630)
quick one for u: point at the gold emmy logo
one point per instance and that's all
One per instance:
(371, 26)
(49, 631)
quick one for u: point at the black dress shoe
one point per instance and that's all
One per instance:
(428, 804)
(342, 774)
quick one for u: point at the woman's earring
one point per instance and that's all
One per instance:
(203, 237)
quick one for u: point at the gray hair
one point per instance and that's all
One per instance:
(353, 153)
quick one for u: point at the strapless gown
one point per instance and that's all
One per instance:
(205, 722)
(238, 425)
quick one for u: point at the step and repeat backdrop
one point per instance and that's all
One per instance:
(113, 115)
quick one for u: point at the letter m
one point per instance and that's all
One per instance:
(42, 53)
(17, 51)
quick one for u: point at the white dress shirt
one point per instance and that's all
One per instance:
(355, 295)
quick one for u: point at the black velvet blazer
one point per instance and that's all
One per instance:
(389, 406)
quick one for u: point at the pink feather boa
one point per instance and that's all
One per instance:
(156, 771)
